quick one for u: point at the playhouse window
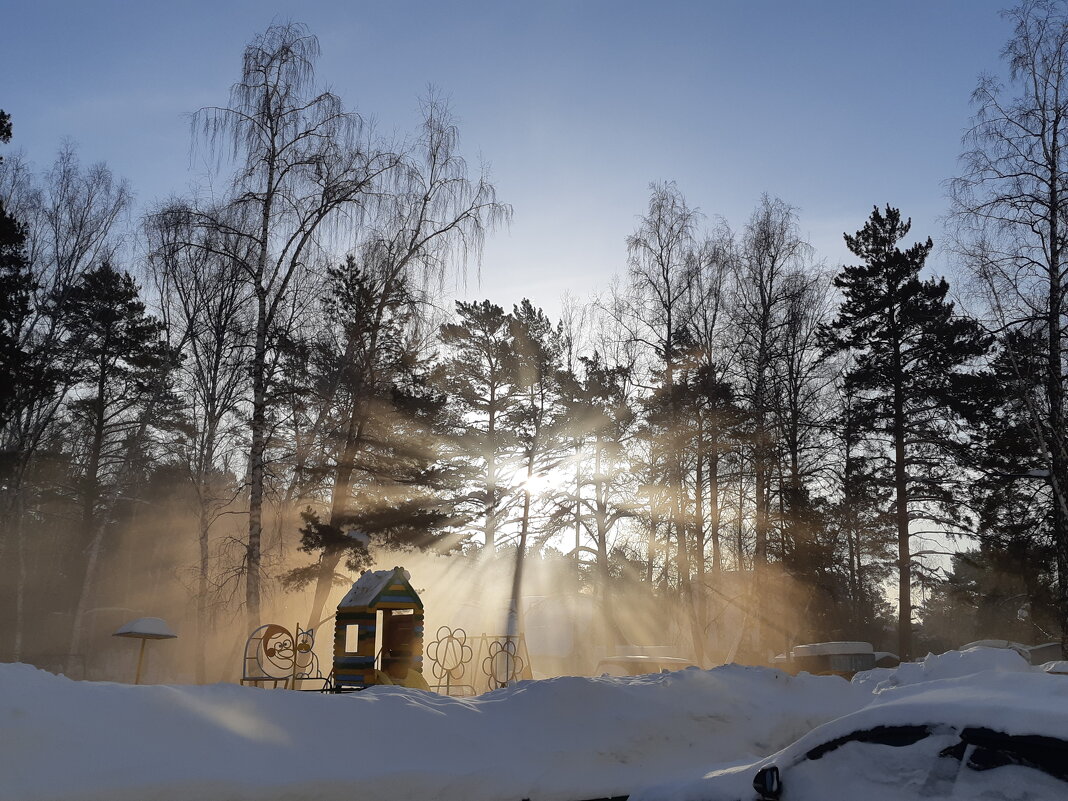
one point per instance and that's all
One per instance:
(352, 638)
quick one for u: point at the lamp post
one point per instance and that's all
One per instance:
(145, 628)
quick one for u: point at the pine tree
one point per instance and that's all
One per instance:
(20, 382)
(1012, 495)
(538, 411)
(16, 287)
(861, 523)
(599, 424)
(910, 351)
(481, 376)
(123, 371)
(379, 430)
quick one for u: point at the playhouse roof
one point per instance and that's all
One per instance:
(368, 588)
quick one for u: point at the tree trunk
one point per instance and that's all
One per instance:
(490, 522)
(328, 564)
(713, 499)
(761, 487)
(257, 455)
(604, 568)
(1058, 463)
(699, 612)
(200, 646)
(91, 530)
(77, 633)
(904, 556)
(17, 516)
(328, 561)
(739, 532)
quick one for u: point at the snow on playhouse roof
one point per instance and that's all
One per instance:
(372, 584)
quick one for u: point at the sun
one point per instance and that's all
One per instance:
(546, 482)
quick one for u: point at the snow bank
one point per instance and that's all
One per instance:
(980, 687)
(952, 664)
(564, 738)
(560, 739)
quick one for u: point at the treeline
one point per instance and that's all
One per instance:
(734, 429)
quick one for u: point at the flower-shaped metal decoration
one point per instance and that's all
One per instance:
(503, 665)
(449, 654)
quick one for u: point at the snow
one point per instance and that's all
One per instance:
(688, 734)
(369, 585)
(981, 687)
(146, 628)
(832, 648)
(950, 665)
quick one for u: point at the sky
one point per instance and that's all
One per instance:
(575, 107)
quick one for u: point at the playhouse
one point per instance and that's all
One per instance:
(379, 618)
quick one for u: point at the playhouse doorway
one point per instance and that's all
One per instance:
(396, 633)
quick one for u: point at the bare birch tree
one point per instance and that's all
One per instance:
(1010, 206)
(431, 221)
(303, 164)
(204, 306)
(771, 250)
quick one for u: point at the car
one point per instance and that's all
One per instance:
(1003, 737)
(975, 748)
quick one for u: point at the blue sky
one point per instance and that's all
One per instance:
(833, 105)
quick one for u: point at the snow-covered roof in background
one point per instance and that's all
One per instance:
(831, 648)
(1018, 647)
(147, 628)
(370, 584)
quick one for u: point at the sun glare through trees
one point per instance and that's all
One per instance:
(271, 407)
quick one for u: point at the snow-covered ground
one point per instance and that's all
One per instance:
(675, 734)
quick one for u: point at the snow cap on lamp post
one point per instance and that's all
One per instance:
(145, 628)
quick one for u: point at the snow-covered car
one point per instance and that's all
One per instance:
(938, 739)
(947, 758)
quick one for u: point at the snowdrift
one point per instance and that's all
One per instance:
(553, 740)
(980, 687)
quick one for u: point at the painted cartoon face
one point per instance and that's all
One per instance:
(278, 647)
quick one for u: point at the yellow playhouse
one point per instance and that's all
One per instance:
(379, 619)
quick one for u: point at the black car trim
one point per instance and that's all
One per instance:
(897, 736)
(993, 749)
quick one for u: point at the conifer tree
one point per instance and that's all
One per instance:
(124, 370)
(538, 410)
(861, 522)
(1012, 495)
(16, 287)
(378, 429)
(481, 375)
(910, 352)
